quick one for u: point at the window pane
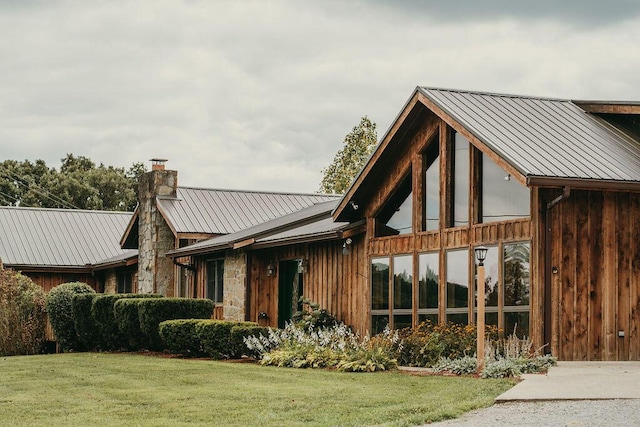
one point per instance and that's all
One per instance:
(458, 318)
(211, 280)
(402, 219)
(402, 281)
(219, 281)
(518, 322)
(457, 279)
(491, 264)
(378, 323)
(380, 284)
(516, 274)
(432, 186)
(503, 198)
(428, 292)
(461, 181)
(402, 321)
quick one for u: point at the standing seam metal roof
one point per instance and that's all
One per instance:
(543, 137)
(60, 237)
(198, 210)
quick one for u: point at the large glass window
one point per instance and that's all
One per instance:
(432, 186)
(503, 198)
(215, 276)
(402, 291)
(396, 216)
(517, 288)
(458, 286)
(125, 282)
(461, 162)
(380, 284)
(398, 304)
(491, 285)
(428, 287)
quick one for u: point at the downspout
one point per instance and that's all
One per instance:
(566, 192)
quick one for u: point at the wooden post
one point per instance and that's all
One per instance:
(480, 321)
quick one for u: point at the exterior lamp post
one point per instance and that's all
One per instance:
(481, 255)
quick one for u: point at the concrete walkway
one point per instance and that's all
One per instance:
(579, 381)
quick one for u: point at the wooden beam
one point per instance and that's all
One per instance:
(609, 108)
(244, 243)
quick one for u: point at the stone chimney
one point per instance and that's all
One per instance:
(155, 270)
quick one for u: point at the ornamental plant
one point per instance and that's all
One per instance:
(22, 314)
(60, 310)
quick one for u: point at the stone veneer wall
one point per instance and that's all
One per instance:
(155, 270)
(111, 282)
(235, 285)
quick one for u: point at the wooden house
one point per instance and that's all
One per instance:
(551, 187)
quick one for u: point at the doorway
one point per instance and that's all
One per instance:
(290, 288)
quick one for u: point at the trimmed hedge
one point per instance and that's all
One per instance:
(180, 337)
(242, 331)
(221, 339)
(86, 328)
(103, 314)
(60, 313)
(128, 321)
(152, 312)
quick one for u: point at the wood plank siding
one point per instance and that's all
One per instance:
(595, 299)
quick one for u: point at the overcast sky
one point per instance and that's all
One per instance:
(259, 94)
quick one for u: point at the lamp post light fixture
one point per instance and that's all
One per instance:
(481, 255)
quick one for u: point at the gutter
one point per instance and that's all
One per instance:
(548, 268)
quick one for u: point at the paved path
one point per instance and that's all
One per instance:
(570, 394)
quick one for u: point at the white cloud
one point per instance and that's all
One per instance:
(259, 95)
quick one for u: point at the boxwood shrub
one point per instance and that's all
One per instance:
(180, 337)
(103, 314)
(152, 312)
(86, 328)
(127, 319)
(58, 305)
(222, 339)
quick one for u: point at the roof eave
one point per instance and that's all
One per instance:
(583, 183)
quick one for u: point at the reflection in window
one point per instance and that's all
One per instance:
(461, 181)
(457, 286)
(491, 279)
(516, 274)
(503, 198)
(396, 216)
(428, 292)
(432, 186)
(402, 282)
(215, 276)
(380, 284)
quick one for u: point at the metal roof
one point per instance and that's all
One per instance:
(543, 137)
(325, 227)
(60, 237)
(211, 211)
(311, 214)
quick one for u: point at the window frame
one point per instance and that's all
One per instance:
(218, 286)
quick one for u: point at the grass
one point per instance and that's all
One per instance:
(130, 389)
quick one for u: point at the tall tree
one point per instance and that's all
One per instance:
(358, 146)
(79, 184)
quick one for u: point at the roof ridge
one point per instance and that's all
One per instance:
(39, 208)
(286, 193)
(494, 94)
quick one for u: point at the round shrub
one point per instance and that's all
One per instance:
(22, 314)
(60, 311)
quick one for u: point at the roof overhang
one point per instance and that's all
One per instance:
(609, 107)
(583, 184)
(50, 268)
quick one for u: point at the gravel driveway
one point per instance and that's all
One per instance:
(618, 412)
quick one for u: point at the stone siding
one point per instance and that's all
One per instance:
(235, 285)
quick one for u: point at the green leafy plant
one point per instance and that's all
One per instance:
(22, 314)
(60, 311)
(86, 327)
(180, 336)
(312, 316)
(465, 365)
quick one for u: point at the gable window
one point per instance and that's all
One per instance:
(396, 216)
(432, 186)
(461, 163)
(503, 198)
(215, 276)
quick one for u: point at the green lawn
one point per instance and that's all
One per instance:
(123, 389)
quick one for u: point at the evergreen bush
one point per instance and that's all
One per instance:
(127, 318)
(179, 336)
(86, 327)
(238, 335)
(103, 313)
(60, 311)
(22, 314)
(152, 312)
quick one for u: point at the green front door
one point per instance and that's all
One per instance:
(289, 291)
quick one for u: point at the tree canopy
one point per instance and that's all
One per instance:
(358, 145)
(79, 184)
